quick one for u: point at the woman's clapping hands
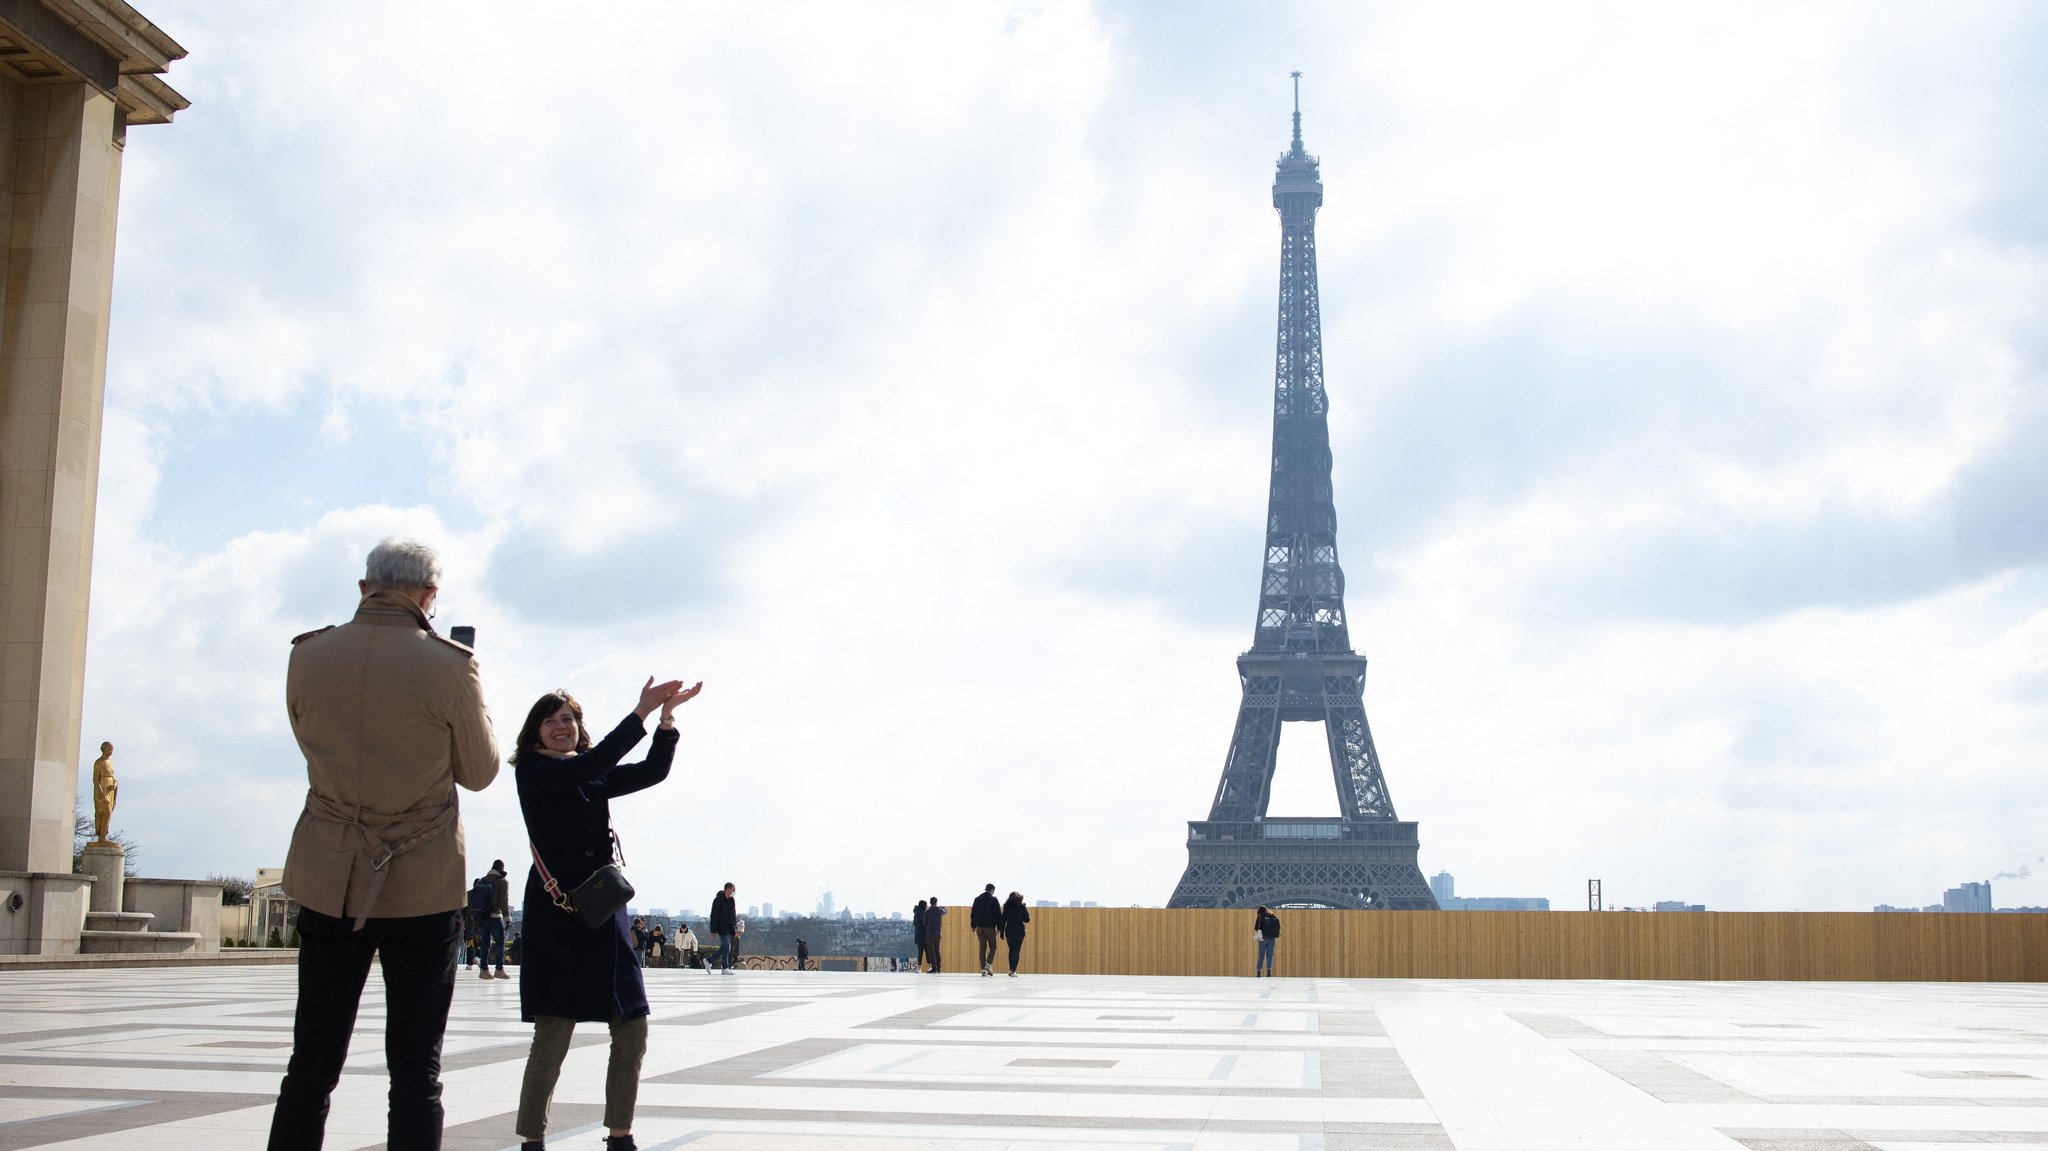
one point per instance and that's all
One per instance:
(665, 697)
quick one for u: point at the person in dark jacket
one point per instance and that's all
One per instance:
(725, 919)
(570, 973)
(934, 923)
(1015, 916)
(1266, 928)
(986, 918)
(500, 915)
(803, 956)
(917, 931)
(640, 939)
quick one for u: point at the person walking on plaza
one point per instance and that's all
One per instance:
(724, 919)
(1265, 929)
(493, 922)
(1015, 916)
(657, 946)
(572, 973)
(473, 923)
(391, 719)
(917, 915)
(934, 922)
(803, 956)
(986, 918)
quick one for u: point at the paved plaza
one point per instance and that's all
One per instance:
(190, 1057)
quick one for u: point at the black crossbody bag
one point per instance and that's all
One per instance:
(597, 899)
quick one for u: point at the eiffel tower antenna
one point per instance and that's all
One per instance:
(1301, 666)
(1297, 110)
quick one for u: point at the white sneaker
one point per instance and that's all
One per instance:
(1013, 975)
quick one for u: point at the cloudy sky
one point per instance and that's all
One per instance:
(904, 372)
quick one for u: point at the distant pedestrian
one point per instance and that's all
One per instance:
(803, 956)
(986, 918)
(657, 946)
(1265, 929)
(496, 919)
(1015, 916)
(686, 944)
(934, 922)
(724, 919)
(917, 915)
(640, 941)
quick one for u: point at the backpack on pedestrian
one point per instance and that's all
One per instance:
(481, 898)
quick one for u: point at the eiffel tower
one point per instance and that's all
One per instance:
(1301, 667)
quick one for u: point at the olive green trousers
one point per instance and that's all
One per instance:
(551, 1035)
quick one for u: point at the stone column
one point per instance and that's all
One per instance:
(60, 147)
(107, 863)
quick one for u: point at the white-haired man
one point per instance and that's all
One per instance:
(391, 719)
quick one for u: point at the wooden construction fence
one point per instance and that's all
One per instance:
(1855, 946)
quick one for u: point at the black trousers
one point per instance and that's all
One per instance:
(418, 958)
(1016, 942)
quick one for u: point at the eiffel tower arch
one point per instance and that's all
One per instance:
(1301, 666)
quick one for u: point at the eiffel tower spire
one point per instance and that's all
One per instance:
(1301, 666)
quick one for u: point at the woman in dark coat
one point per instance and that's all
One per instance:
(570, 973)
(1015, 916)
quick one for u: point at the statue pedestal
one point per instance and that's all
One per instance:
(107, 863)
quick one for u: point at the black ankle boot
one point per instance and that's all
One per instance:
(620, 1143)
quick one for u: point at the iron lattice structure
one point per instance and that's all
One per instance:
(1301, 666)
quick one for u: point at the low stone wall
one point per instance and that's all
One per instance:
(42, 912)
(178, 905)
(745, 962)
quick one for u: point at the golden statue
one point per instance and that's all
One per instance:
(104, 789)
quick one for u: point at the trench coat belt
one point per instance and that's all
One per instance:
(432, 820)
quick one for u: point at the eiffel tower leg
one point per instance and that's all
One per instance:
(1242, 795)
(1247, 782)
(1361, 789)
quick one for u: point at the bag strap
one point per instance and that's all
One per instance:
(547, 881)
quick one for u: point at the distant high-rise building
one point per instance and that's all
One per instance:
(1073, 903)
(825, 906)
(1968, 897)
(767, 911)
(753, 911)
(1443, 886)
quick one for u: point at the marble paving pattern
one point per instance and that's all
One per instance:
(826, 1061)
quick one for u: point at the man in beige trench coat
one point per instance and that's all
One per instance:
(391, 719)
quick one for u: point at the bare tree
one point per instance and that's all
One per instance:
(234, 890)
(81, 833)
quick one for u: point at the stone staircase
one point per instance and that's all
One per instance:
(128, 933)
(113, 926)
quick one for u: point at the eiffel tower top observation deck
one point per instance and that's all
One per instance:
(1301, 666)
